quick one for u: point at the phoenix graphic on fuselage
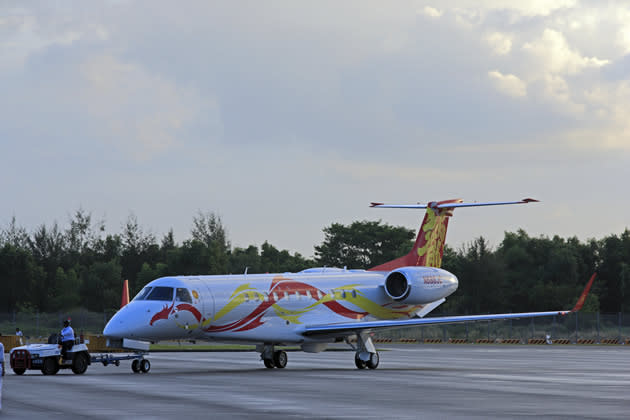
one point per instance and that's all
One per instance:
(311, 308)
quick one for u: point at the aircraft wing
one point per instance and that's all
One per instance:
(353, 327)
(347, 328)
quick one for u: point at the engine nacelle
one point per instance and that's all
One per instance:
(419, 285)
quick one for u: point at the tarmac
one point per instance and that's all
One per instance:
(412, 381)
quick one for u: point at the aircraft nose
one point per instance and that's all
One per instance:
(126, 323)
(115, 328)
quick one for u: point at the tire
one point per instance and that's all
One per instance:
(373, 362)
(280, 359)
(269, 364)
(358, 362)
(50, 366)
(135, 366)
(19, 371)
(79, 364)
(145, 366)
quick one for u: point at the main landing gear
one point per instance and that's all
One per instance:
(273, 358)
(140, 365)
(366, 355)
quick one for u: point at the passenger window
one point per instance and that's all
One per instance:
(297, 295)
(275, 296)
(319, 295)
(286, 295)
(308, 294)
(161, 293)
(183, 295)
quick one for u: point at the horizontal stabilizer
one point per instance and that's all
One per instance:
(436, 205)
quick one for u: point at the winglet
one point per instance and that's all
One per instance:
(125, 294)
(582, 298)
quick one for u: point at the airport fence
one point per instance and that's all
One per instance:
(579, 327)
(582, 328)
(37, 326)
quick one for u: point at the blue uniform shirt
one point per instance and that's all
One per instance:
(67, 334)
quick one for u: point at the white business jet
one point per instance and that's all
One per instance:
(311, 308)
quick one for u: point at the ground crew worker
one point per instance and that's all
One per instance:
(19, 334)
(67, 338)
(1, 362)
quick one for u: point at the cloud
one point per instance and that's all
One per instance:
(500, 44)
(23, 33)
(139, 112)
(431, 12)
(350, 100)
(556, 56)
(523, 8)
(623, 38)
(508, 84)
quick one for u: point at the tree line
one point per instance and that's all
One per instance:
(57, 269)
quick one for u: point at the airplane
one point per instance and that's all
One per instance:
(311, 308)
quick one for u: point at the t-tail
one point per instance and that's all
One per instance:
(428, 249)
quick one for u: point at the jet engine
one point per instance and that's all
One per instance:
(419, 285)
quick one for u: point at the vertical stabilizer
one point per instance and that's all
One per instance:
(429, 246)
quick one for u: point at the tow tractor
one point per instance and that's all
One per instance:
(48, 357)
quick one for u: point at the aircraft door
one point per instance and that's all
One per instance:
(206, 299)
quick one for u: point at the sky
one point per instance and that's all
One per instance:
(284, 117)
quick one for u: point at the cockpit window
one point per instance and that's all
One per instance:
(143, 293)
(160, 293)
(183, 295)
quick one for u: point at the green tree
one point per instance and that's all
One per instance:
(240, 259)
(14, 235)
(102, 283)
(273, 260)
(19, 276)
(209, 230)
(362, 244)
(68, 288)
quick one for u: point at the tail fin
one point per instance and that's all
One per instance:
(429, 246)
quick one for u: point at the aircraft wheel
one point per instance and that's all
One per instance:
(79, 364)
(280, 359)
(50, 366)
(145, 366)
(358, 362)
(19, 371)
(373, 362)
(269, 363)
(135, 366)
